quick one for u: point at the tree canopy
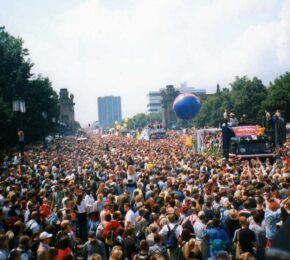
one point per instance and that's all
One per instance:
(17, 82)
(141, 120)
(278, 96)
(247, 98)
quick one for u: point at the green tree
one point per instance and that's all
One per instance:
(247, 97)
(137, 121)
(16, 82)
(5, 118)
(141, 120)
(41, 99)
(278, 96)
(184, 123)
(154, 117)
(14, 74)
(212, 109)
(218, 89)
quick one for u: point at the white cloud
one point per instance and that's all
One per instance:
(130, 47)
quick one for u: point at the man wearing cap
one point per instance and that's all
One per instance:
(43, 249)
(94, 246)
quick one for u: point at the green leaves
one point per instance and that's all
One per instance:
(244, 98)
(16, 82)
(140, 120)
(279, 96)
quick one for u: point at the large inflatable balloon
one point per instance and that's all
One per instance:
(186, 106)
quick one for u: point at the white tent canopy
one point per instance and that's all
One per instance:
(200, 138)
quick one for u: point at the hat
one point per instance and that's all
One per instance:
(44, 235)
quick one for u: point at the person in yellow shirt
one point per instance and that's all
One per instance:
(261, 130)
(187, 139)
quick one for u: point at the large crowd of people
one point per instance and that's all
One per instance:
(120, 198)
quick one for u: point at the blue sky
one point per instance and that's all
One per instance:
(129, 47)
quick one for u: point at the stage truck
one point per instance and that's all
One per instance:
(250, 142)
(243, 141)
(153, 134)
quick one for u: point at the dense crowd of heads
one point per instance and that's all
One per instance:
(122, 198)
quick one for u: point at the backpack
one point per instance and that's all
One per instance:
(24, 254)
(109, 241)
(189, 223)
(140, 227)
(142, 257)
(28, 230)
(51, 219)
(171, 239)
(11, 218)
(215, 246)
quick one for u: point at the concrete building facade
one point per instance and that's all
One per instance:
(109, 110)
(67, 112)
(153, 102)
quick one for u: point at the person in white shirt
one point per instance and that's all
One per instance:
(172, 222)
(131, 180)
(99, 203)
(32, 224)
(82, 218)
(173, 225)
(199, 230)
(130, 216)
(89, 201)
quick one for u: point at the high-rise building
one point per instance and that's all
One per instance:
(153, 102)
(109, 110)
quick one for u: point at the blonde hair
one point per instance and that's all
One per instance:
(233, 213)
(247, 256)
(189, 247)
(117, 253)
(95, 257)
(139, 198)
(100, 188)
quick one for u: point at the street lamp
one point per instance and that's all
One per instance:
(18, 106)
(44, 116)
(59, 128)
(53, 120)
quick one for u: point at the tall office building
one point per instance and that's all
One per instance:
(109, 110)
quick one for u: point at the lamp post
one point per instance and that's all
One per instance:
(44, 116)
(53, 120)
(18, 106)
(59, 129)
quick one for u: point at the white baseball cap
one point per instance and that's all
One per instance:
(44, 235)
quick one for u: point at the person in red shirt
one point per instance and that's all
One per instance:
(64, 249)
(113, 225)
(45, 208)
